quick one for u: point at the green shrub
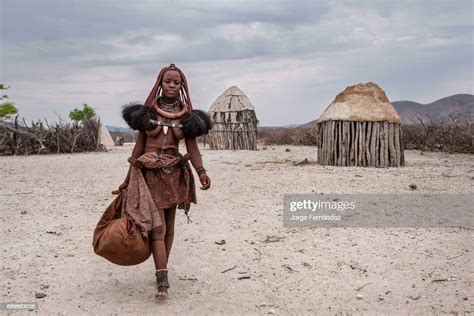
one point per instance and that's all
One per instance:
(7, 108)
(85, 114)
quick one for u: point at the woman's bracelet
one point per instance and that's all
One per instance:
(134, 162)
(200, 170)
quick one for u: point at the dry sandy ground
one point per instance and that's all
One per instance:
(51, 204)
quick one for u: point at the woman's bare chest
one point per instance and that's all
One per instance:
(166, 131)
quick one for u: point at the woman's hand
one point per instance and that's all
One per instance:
(205, 181)
(123, 186)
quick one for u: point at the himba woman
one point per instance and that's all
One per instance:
(166, 117)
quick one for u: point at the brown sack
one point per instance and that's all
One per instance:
(118, 239)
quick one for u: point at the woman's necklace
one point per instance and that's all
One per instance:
(171, 113)
(169, 107)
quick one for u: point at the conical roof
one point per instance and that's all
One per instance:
(105, 138)
(361, 102)
(232, 100)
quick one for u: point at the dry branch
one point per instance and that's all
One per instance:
(21, 139)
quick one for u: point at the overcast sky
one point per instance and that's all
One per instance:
(291, 58)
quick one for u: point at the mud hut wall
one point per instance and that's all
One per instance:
(360, 143)
(233, 130)
(233, 136)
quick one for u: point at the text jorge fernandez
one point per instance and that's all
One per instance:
(319, 205)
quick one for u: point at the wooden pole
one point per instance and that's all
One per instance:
(385, 137)
(367, 142)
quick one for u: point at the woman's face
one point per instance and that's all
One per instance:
(171, 84)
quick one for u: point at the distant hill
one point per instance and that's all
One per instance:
(119, 129)
(456, 106)
(8, 123)
(309, 124)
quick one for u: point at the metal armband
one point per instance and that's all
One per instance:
(200, 170)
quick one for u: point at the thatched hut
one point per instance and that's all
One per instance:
(360, 128)
(104, 137)
(234, 121)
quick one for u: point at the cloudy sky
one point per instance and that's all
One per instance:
(290, 57)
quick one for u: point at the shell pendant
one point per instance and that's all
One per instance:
(165, 129)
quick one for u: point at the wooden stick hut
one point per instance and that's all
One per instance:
(360, 128)
(234, 122)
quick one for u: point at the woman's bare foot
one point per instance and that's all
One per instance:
(162, 293)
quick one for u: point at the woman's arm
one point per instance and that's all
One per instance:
(139, 148)
(196, 160)
(137, 151)
(193, 150)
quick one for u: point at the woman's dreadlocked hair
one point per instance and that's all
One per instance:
(195, 122)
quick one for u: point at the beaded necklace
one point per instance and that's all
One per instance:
(169, 107)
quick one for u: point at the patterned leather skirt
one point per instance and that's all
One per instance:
(170, 180)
